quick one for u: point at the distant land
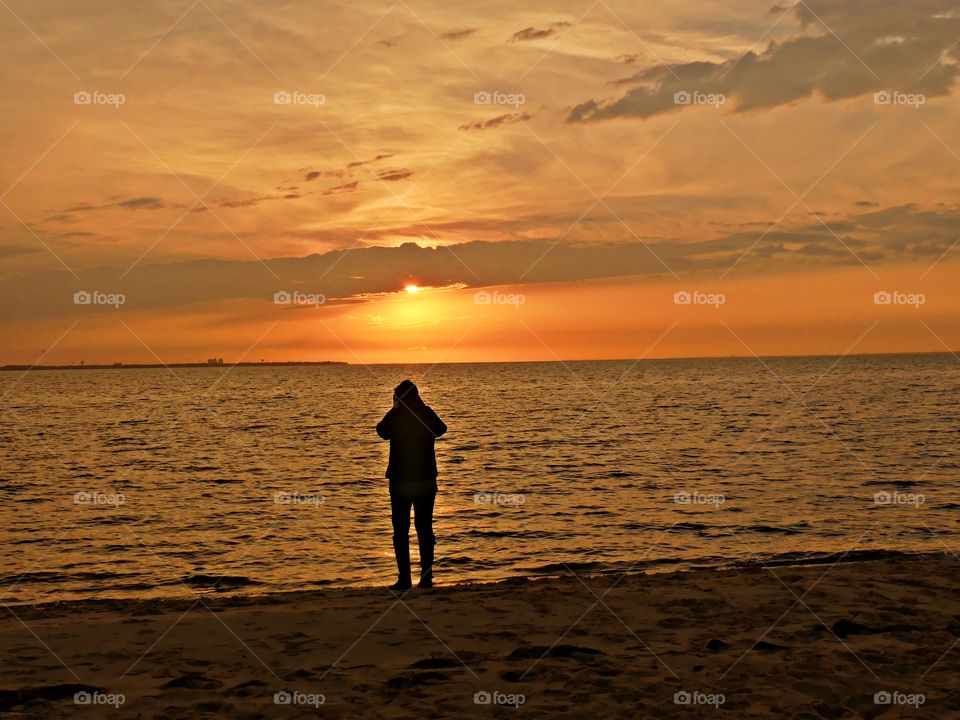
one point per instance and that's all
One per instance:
(218, 362)
(140, 366)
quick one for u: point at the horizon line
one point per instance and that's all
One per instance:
(277, 363)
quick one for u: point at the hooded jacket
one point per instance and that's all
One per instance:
(411, 426)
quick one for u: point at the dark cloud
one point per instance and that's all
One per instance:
(532, 33)
(898, 234)
(843, 49)
(341, 189)
(394, 175)
(142, 203)
(358, 163)
(866, 203)
(458, 33)
(496, 121)
(137, 203)
(346, 170)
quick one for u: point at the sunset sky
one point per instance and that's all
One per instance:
(543, 155)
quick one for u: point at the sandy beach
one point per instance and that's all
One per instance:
(856, 639)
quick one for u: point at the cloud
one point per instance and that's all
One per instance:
(358, 163)
(251, 202)
(532, 33)
(142, 203)
(898, 234)
(340, 189)
(346, 170)
(458, 33)
(394, 175)
(137, 203)
(14, 251)
(496, 121)
(866, 203)
(843, 49)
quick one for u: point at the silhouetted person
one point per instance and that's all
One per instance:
(411, 427)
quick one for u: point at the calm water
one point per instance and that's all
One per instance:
(596, 465)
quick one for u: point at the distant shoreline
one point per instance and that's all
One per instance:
(144, 366)
(294, 363)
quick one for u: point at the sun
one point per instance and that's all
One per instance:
(411, 288)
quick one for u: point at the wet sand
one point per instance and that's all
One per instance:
(864, 639)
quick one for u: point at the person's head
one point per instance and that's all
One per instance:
(406, 392)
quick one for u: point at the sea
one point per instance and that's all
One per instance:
(169, 482)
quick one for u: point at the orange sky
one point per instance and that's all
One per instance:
(814, 165)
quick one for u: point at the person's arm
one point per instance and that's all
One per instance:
(437, 426)
(384, 428)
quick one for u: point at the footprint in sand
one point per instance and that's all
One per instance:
(193, 681)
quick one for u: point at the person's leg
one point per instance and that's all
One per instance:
(423, 521)
(400, 517)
